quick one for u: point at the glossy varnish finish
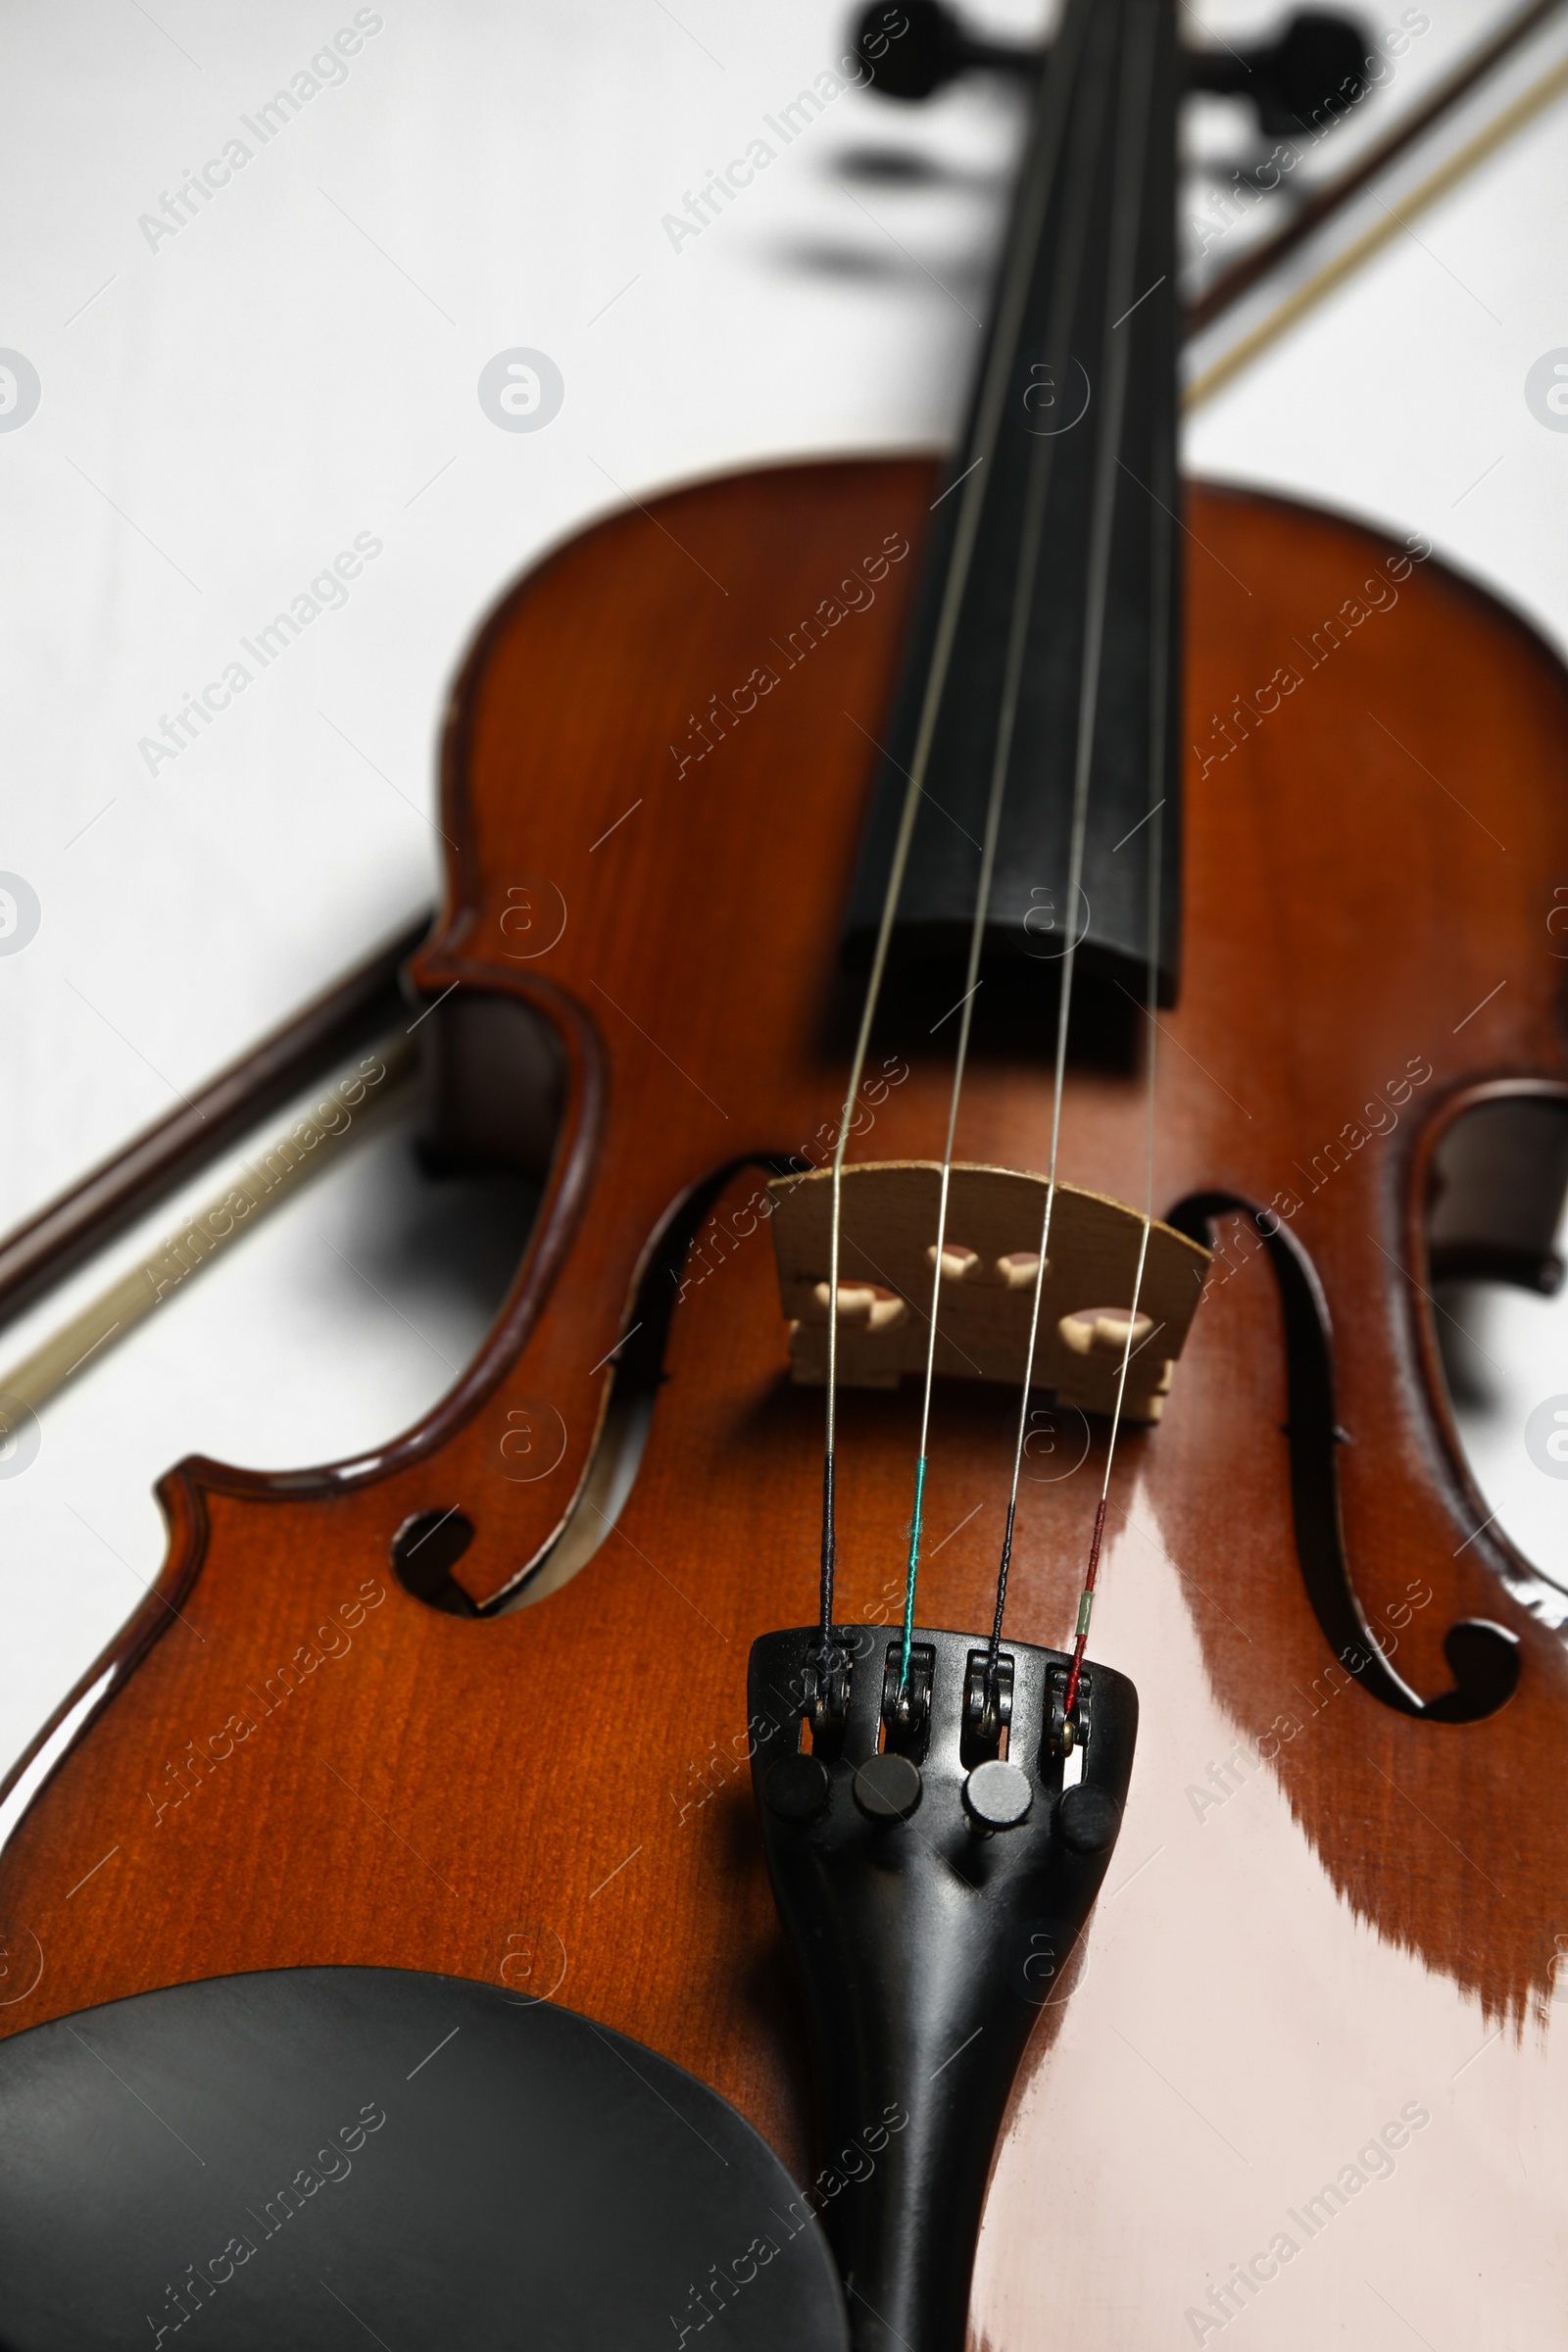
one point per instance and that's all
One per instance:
(566, 1784)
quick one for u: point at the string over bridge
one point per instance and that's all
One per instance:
(990, 1262)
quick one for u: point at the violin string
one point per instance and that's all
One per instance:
(1025, 575)
(1139, 61)
(1086, 1598)
(1016, 281)
(1161, 510)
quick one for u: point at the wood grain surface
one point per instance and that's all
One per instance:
(300, 1763)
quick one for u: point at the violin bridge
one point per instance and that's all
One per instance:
(990, 1260)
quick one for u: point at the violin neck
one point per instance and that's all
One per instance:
(1047, 639)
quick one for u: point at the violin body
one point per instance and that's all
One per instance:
(1319, 1906)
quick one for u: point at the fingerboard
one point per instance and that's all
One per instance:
(1075, 404)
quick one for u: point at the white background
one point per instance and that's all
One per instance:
(222, 414)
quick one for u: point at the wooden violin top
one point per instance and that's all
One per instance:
(290, 1759)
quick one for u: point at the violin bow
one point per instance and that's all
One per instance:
(113, 1196)
(1318, 209)
(1493, 136)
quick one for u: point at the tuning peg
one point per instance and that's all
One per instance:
(1318, 65)
(916, 46)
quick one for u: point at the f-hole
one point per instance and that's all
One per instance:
(1490, 1193)
(1482, 1657)
(424, 1551)
(427, 1547)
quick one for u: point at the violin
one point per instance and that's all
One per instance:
(930, 1745)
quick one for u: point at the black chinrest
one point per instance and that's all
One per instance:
(332, 2158)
